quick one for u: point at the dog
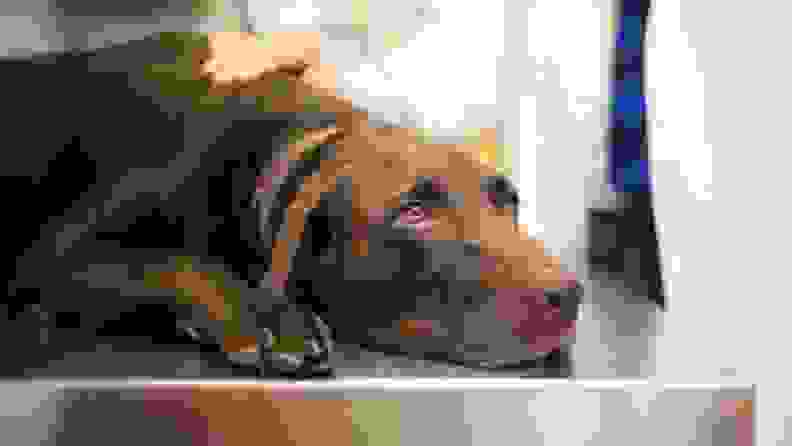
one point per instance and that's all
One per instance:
(266, 252)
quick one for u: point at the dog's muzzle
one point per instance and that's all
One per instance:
(543, 319)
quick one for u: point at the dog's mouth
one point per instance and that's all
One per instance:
(543, 330)
(543, 321)
(548, 338)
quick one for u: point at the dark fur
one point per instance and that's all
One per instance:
(106, 177)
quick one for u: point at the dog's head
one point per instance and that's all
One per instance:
(422, 250)
(415, 248)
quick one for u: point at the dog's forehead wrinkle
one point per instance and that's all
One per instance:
(386, 172)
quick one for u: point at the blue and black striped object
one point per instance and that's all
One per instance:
(623, 241)
(628, 166)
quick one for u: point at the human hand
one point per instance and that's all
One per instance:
(240, 56)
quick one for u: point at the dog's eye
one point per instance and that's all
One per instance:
(413, 213)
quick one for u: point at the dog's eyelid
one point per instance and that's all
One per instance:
(503, 189)
(413, 203)
(422, 192)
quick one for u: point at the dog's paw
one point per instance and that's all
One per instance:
(291, 357)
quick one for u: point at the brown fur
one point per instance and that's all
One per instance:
(382, 163)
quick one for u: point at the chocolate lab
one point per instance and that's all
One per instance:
(150, 203)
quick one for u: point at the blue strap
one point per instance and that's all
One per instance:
(628, 167)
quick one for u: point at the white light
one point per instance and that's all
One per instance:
(303, 13)
(406, 384)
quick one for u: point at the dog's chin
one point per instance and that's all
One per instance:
(512, 352)
(552, 364)
(537, 352)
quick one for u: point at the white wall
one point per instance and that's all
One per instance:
(441, 76)
(719, 95)
(562, 90)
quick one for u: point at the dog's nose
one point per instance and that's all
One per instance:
(567, 299)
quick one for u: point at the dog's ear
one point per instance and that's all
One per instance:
(291, 233)
(321, 180)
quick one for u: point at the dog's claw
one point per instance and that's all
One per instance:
(312, 362)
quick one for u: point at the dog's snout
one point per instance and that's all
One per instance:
(567, 299)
